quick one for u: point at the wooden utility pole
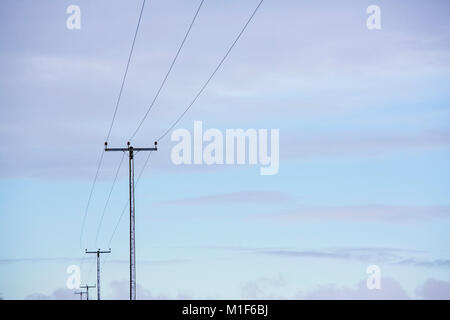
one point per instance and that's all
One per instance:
(98, 252)
(130, 149)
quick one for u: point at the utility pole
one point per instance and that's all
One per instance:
(80, 293)
(130, 149)
(87, 287)
(98, 252)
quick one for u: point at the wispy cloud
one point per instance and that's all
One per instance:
(367, 255)
(360, 212)
(272, 288)
(380, 255)
(445, 263)
(390, 290)
(79, 260)
(58, 294)
(367, 145)
(42, 259)
(121, 292)
(264, 197)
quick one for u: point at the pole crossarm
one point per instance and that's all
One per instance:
(130, 148)
(98, 251)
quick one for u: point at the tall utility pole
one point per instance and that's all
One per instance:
(80, 293)
(87, 287)
(131, 151)
(98, 252)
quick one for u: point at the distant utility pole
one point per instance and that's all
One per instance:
(80, 293)
(98, 252)
(130, 151)
(87, 287)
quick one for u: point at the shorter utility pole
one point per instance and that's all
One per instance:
(80, 293)
(98, 252)
(87, 287)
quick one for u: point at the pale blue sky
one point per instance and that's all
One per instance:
(364, 148)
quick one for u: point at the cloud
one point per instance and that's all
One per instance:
(368, 255)
(264, 197)
(434, 290)
(78, 260)
(262, 288)
(121, 291)
(377, 255)
(43, 259)
(444, 263)
(367, 145)
(61, 111)
(390, 290)
(362, 212)
(151, 262)
(58, 294)
(265, 288)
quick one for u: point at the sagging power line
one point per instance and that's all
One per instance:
(108, 199)
(185, 111)
(112, 122)
(212, 74)
(168, 72)
(131, 150)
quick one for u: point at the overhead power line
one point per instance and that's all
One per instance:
(126, 71)
(127, 203)
(108, 199)
(168, 72)
(111, 125)
(90, 197)
(153, 103)
(213, 73)
(189, 106)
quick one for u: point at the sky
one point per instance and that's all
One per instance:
(364, 146)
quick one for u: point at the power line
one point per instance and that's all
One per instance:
(126, 204)
(90, 197)
(168, 71)
(212, 75)
(126, 71)
(190, 105)
(111, 125)
(155, 98)
(108, 199)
